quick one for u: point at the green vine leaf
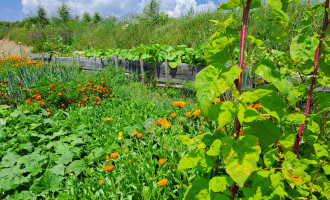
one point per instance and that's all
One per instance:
(265, 130)
(270, 157)
(48, 182)
(198, 190)
(275, 106)
(321, 151)
(215, 148)
(217, 51)
(210, 83)
(190, 160)
(268, 71)
(303, 48)
(241, 157)
(220, 183)
(231, 4)
(251, 97)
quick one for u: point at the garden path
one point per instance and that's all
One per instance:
(11, 48)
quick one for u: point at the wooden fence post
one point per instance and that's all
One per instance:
(167, 73)
(116, 63)
(142, 70)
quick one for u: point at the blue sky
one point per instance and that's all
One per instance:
(14, 10)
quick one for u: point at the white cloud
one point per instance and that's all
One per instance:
(118, 8)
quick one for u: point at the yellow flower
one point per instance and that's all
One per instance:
(120, 135)
(173, 115)
(108, 168)
(162, 182)
(101, 181)
(217, 100)
(188, 114)
(162, 161)
(139, 135)
(179, 104)
(166, 124)
(114, 155)
(195, 113)
(127, 149)
(108, 119)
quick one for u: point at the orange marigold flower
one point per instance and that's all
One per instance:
(101, 181)
(139, 135)
(181, 122)
(110, 95)
(148, 131)
(266, 116)
(127, 149)
(204, 123)
(162, 161)
(249, 106)
(130, 162)
(295, 179)
(2, 94)
(107, 158)
(195, 113)
(59, 94)
(202, 118)
(5, 81)
(173, 114)
(257, 106)
(297, 109)
(114, 155)
(200, 131)
(63, 105)
(19, 83)
(162, 182)
(108, 119)
(108, 168)
(188, 114)
(179, 104)
(217, 100)
(49, 113)
(166, 124)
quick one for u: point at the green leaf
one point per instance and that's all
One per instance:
(323, 98)
(215, 148)
(9, 160)
(48, 182)
(295, 118)
(303, 48)
(211, 83)
(220, 183)
(270, 157)
(198, 190)
(287, 141)
(217, 51)
(58, 169)
(281, 15)
(241, 157)
(267, 70)
(186, 140)
(65, 158)
(274, 105)
(231, 4)
(275, 3)
(205, 164)
(313, 126)
(324, 73)
(277, 182)
(320, 151)
(251, 115)
(251, 97)
(265, 130)
(76, 166)
(224, 118)
(190, 160)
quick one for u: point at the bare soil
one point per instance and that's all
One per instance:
(11, 48)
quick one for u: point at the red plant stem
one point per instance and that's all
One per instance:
(316, 61)
(238, 82)
(243, 40)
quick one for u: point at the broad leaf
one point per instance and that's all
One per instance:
(231, 4)
(48, 182)
(241, 157)
(76, 166)
(198, 190)
(265, 130)
(220, 183)
(274, 105)
(303, 48)
(190, 160)
(251, 97)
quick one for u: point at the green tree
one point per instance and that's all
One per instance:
(41, 16)
(86, 18)
(97, 18)
(63, 11)
(152, 10)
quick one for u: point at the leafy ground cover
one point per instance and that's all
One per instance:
(126, 145)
